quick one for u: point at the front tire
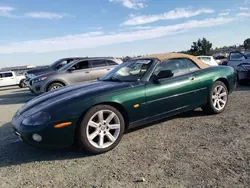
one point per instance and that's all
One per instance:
(55, 86)
(217, 99)
(101, 129)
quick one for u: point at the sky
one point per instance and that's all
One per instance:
(42, 31)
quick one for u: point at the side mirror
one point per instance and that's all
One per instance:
(163, 74)
(71, 69)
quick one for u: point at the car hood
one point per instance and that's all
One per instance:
(39, 71)
(245, 66)
(67, 94)
(46, 74)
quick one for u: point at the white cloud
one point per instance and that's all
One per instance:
(96, 39)
(171, 15)
(6, 11)
(132, 4)
(243, 14)
(244, 8)
(45, 15)
(224, 14)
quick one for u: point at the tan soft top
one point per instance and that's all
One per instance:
(167, 56)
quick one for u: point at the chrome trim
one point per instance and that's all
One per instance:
(176, 109)
(176, 95)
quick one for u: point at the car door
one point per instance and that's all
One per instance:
(8, 79)
(78, 72)
(99, 68)
(236, 58)
(173, 94)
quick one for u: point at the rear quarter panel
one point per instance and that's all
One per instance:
(210, 75)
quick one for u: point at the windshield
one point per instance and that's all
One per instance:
(61, 63)
(53, 65)
(205, 58)
(129, 71)
(65, 67)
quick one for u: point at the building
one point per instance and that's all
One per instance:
(17, 68)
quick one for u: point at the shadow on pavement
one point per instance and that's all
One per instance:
(243, 88)
(9, 88)
(15, 152)
(194, 113)
(16, 98)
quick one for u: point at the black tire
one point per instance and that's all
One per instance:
(209, 107)
(22, 84)
(81, 133)
(54, 85)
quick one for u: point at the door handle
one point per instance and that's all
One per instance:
(87, 72)
(192, 78)
(108, 69)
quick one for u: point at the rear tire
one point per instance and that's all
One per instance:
(101, 129)
(217, 99)
(22, 84)
(54, 86)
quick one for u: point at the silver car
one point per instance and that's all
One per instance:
(84, 70)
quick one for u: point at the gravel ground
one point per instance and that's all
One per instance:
(188, 150)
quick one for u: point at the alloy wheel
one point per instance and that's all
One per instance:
(103, 129)
(55, 87)
(219, 97)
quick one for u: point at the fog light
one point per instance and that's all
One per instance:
(37, 137)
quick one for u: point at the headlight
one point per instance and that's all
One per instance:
(39, 79)
(39, 118)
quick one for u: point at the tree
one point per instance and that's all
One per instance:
(201, 47)
(247, 44)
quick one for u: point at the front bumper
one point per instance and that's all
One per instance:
(37, 87)
(51, 138)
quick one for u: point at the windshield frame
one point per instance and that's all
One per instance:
(109, 76)
(68, 66)
(53, 65)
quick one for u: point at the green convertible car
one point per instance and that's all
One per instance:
(137, 92)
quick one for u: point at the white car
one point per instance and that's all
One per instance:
(208, 60)
(10, 78)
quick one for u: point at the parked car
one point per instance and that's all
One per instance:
(75, 72)
(219, 58)
(236, 58)
(208, 60)
(243, 73)
(10, 78)
(240, 62)
(29, 74)
(135, 93)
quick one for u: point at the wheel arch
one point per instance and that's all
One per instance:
(225, 81)
(116, 105)
(22, 80)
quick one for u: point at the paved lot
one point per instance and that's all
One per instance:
(189, 150)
